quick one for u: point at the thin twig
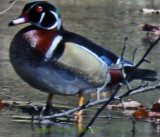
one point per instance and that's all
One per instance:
(143, 58)
(147, 60)
(147, 53)
(123, 62)
(129, 92)
(145, 89)
(2, 12)
(17, 99)
(122, 56)
(134, 56)
(124, 48)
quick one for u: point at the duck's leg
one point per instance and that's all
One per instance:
(49, 100)
(81, 100)
(49, 109)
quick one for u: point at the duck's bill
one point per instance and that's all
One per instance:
(20, 20)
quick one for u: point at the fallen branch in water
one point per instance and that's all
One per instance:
(17, 99)
(149, 11)
(98, 102)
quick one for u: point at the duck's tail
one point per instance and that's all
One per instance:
(140, 74)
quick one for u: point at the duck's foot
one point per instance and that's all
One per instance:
(79, 113)
(49, 110)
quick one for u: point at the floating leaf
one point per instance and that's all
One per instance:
(130, 104)
(1, 104)
(156, 107)
(149, 27)
(149, 11)
(141, 113)
(154, 114)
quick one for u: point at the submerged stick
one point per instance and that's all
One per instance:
(17, 99)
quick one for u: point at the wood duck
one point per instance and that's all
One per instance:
(56, 61)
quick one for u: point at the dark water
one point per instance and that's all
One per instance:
(106, 22)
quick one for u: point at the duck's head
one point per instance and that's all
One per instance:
(41, 14)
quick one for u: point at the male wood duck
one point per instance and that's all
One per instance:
(56, 61)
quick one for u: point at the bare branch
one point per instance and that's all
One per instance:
(2, 12)
(147, 53)
(89, 104)
(132, 90)
(134, 56)
(143, 58)
(145, 89)
(17, 99)
(124, 48)
(122, 56)
(123, 61)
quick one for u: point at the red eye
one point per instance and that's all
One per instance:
(39, 9)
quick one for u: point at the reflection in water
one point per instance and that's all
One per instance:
(156, 125)
(106, 22)
(79, 124)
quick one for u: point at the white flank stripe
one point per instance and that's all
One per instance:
(53, 46)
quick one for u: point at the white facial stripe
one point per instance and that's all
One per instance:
(59, 23)
(53, 46)
(42, 16)
(56, 23)
(54, 26)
